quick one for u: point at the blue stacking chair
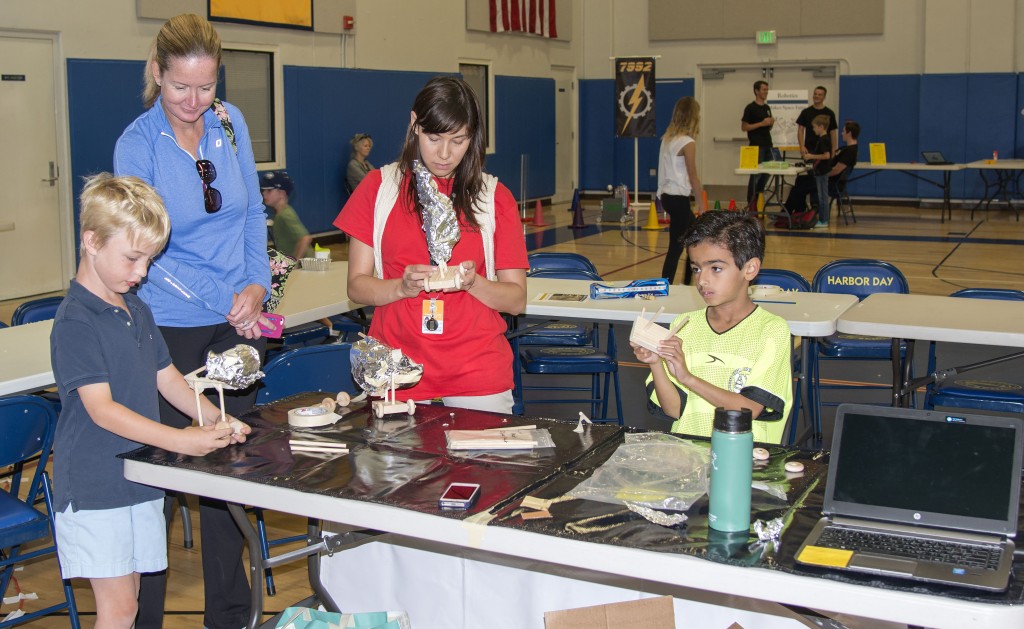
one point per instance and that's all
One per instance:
(324, 368)
(861, 278)
(572, 333)
(548, 260)
(27, 424)
(36, 310)
(789, 281)
(560, 360)
(976, 393)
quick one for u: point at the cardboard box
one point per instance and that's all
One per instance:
(647, 613)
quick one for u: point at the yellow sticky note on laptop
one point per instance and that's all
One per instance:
(878, 153)
(748, 156)
(832, 557)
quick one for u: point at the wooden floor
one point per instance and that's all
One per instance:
(937, 258)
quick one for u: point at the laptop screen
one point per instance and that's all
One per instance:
(933, 157)
(929, 468)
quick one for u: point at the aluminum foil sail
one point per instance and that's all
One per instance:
(440, 221)
(374, 364)
(237, 367)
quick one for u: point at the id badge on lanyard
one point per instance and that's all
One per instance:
(433, 316)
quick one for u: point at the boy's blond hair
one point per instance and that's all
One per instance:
(110, 204)
(820, 121)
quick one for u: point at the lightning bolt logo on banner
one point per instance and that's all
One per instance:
(634, 97)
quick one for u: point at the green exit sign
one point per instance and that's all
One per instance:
(765, 37)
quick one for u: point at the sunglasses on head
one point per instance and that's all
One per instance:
(211, 195)
(361, 136)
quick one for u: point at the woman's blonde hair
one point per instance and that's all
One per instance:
(111, 204)
(182, 36)
(685, 119)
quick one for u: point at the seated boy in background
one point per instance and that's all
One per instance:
(290, 236)
(111, 364)
(732, 354)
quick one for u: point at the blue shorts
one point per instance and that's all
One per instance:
(102, 543)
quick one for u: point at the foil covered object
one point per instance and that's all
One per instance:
(440, 222)
(237, 367)
(770, 531)
(374, 364)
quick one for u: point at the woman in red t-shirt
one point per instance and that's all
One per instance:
(457, 334)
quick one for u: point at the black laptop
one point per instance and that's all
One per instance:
(935, 158)
(923, 495)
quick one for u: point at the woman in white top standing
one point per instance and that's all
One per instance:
(678, 180)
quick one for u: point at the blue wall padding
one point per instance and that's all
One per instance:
(596, 134)
(607, 160)
(991, 124)
(103, 98)
(524, 120)
(1018, 152)
(966, 116)
(324, 108)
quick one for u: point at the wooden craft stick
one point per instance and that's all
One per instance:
(531, 502)
(318, 450)
(199, 407)
(678, 326)
(511, 428)
(535, 515)
(316, 444)
(650, 321)
(220, 393)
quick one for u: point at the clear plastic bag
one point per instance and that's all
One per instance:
(654, 470)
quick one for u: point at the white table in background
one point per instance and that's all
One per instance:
(777, 186)
(911, 169)
(808, 314)
(308, 296)
(934, 318)
(1006, 184)
(25, 358)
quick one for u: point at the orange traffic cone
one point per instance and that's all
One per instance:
(538, 216)
(652, 217)
(705, 194)
(732, 205)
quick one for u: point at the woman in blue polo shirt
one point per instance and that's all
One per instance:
(207, 289)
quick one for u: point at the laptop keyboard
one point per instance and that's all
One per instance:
(983, 557)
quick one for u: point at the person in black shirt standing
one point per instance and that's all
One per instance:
(757, 124)
(805, 135)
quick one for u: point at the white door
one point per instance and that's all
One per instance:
(30, 234)
(726, 90)
(565, 133)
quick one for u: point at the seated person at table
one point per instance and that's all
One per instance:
(731, 354)
(111, 366)
(845, 158)
(290, 236)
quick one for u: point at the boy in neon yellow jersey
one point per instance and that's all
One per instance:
(732, 353)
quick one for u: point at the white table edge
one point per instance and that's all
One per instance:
(673, 569)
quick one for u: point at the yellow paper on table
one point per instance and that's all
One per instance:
(748, 156)
(878, 153)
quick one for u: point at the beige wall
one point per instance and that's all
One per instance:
(921, 36)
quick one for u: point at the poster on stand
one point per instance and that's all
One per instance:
(786, 107)
(634, 97)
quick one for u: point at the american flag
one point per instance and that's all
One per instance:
(524, 16)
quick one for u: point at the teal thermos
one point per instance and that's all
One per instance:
(732, 446)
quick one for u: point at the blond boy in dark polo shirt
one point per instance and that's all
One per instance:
(111, 364)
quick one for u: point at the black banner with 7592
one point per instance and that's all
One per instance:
(634, 97)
